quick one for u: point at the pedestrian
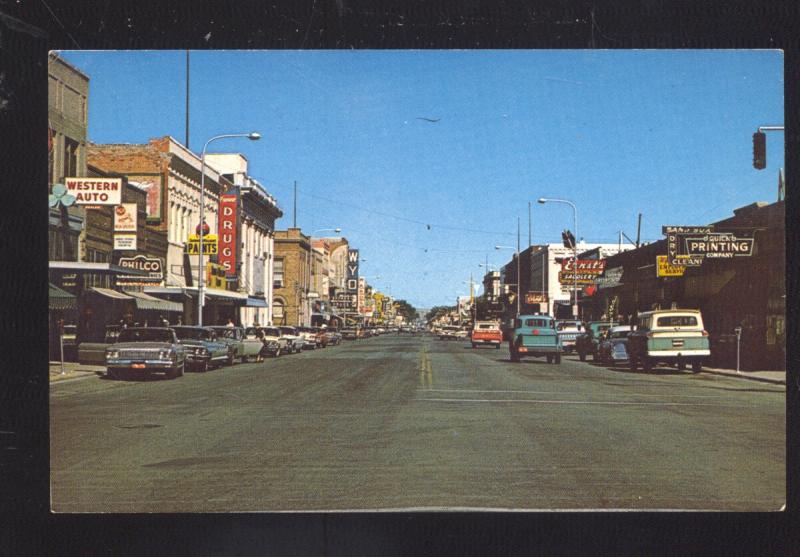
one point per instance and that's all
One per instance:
(163, 321)
(230, 323)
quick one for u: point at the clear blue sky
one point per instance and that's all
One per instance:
(664, 133)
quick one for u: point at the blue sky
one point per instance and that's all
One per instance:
(664, 133)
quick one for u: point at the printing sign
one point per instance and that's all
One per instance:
(125, 217)
(675, 235)
(691, 245)
(227, 233)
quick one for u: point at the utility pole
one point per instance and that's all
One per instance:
(187, 99)
(639, 231)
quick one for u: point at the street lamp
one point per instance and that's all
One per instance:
(252, 136)
(544, 200)
(519, 292)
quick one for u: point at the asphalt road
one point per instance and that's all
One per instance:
(411, 422)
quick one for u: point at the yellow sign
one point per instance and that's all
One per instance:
(215, 276)
(664, 269)
(209, 244)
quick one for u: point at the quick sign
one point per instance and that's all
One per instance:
(718, 245)
(95, 191)
(125, 217)
(665, 269)
(228, 205)
(675, 235)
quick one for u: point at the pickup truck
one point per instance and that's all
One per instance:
(568, 331)
(670, 336)
(487, 332)
(587, 342)
(535, 335)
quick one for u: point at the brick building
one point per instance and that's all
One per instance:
(292, 278)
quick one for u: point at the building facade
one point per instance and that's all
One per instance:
(292, 278)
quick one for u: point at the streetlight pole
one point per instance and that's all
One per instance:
(253, 136)
(544, 200)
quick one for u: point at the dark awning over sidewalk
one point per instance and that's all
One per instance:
(147, 302)
(60, 299)
(253, 302)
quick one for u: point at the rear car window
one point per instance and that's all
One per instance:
(536, 323)
(677, 321)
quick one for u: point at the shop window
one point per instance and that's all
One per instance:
(70, 157)
(277, 310)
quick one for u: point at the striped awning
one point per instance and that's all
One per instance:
(147, 302)
(60, 299)
(108, 293)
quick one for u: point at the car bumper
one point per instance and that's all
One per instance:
(155, 365)
(486, 341)
(672, 354)
(534, 350)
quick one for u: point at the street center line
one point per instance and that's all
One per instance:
(562, 393)
(612, 403)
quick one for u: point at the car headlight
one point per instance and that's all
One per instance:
(165, 354)
(112, 354)
(273, 344)
(200, 351)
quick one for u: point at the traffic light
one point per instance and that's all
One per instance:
(759, 150)
(568, 239)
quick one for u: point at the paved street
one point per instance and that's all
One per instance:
(401, 421)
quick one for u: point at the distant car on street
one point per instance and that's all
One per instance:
(535, 335)
(613, 346)
(334, 337)
(487, 332)
(245, 347)
(146, 349)
(568, 331)
(448, 332)
(587, 342)
(675, 337)
(350, 333)
(274, 342)
(295, 339)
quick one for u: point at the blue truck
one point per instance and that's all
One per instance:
(535, 335)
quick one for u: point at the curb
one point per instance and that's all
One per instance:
(746, 377)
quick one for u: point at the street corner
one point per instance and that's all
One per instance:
(73, 370)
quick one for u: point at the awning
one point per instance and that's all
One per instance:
(108, 293)
(60, 299)
(253, 302)
(147, 302)
(211, 293)
(97, 268)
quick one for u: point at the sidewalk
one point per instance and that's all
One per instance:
(73, 370)
(775, 377)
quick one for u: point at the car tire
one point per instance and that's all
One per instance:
(231, 358)
(549, 358)
(632, 363)
(697, 367)
(681, 365)
(582, 356)
(277, 352)
(112, 374)
(245, 359)
(647, 364)
(203, 367)
(497, 346)
(557, 358)
(474, 345)
(514, 354)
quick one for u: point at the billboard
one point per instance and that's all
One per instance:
(125, 217)
(95, 191)
(582, 271)
(228, 214)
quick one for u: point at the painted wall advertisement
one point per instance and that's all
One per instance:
(95, 191)
(228, 205)
(125, 217)
(152, 185)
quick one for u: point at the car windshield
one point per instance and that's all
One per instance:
(563, 325)
(272, 331)
(145, 335)
(191, 333)
(619, 334)
(225, 332)
(677, 321)
(288, 330)
(486, 326)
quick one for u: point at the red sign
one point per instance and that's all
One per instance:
(585, 266)
(226, 256)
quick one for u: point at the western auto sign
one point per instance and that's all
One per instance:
(95, 191)
(665, 269)
(582, 271)
(125, 217)
(153, 266)
(228, 213)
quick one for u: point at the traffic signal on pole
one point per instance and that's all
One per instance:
(759, 150)
(568, 239)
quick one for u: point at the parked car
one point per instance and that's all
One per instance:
(309, 337)
(535, 335)
(448, 332)
(295, 340)
(244, 347)
(274, 342)
(94, 353)
(487, 332)
(334, 337)
(203, 348)
(321, 336)
(147, 349)
(586, 343)
(670, 336)
(568, 331)
(613, 346)
(350, 333)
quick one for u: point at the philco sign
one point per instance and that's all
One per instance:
(228, 205)
(582, 271)
(95, 191)
(153, 266)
